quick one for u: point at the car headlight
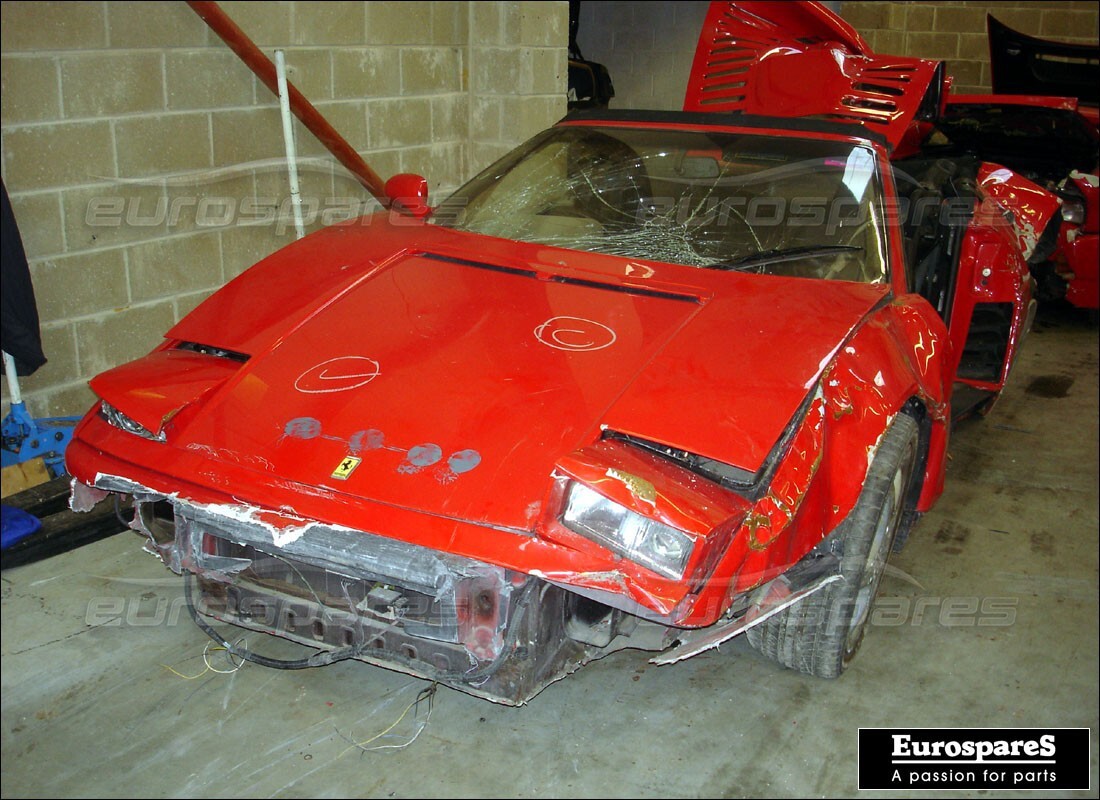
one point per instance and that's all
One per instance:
(652, 544)
(123, 422)
(1073, 210)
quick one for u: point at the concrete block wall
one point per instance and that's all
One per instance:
(145, 162)
(647, 48)
(956, 32)
(518, 67)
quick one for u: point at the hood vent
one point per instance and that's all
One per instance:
(639, 291)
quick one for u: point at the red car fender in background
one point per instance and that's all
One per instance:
(1077, 259)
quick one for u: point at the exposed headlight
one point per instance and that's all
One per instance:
(1073, 210)
(650, 543)
(123, 422)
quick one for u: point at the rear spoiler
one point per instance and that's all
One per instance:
(1022, 64)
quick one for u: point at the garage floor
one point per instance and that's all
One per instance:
(989, 619)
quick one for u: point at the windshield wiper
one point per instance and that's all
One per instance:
(780, 254)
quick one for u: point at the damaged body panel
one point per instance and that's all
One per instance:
(1054, 143)
(650, 381)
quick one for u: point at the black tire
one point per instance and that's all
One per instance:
(901, 536)
(822, 633)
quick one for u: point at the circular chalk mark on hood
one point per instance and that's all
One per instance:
(575, 334)
(340, 374)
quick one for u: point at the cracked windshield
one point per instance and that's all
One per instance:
(723, 201)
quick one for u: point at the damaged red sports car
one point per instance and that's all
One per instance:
(649, 381)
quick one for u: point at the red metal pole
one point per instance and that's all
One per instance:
(238, 41)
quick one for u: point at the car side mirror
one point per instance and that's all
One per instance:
(408, 194)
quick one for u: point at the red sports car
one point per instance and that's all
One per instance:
(649, 381)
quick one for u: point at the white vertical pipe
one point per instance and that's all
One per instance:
(288, 140)
(13, 379)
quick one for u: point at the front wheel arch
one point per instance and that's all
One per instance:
(821, 634)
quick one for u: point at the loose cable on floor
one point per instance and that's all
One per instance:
(206, 651)
(426, 696)
(229, 656)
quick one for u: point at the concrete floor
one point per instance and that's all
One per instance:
(91, 709)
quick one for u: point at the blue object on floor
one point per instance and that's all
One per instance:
(16, 525)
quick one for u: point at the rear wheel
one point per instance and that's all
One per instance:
(822, 633)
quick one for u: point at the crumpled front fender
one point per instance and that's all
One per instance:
(154, 389)
(1030, 206)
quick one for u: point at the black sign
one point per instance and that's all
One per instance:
(974, 758)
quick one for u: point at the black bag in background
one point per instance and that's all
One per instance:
(589, 82)
(19, 334)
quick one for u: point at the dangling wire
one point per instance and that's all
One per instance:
(425, 696)
(206, 651)
(118, 511)
(229, 656)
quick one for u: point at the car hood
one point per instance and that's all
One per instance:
(453, 385)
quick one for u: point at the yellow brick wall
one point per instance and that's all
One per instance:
(136, 147)
(955, 31)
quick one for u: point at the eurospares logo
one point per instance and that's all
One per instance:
(974, 758)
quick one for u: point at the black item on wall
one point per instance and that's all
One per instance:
(1023, 64)
(21, 338)
(589, 82)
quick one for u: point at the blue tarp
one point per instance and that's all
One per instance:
(17, 525)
